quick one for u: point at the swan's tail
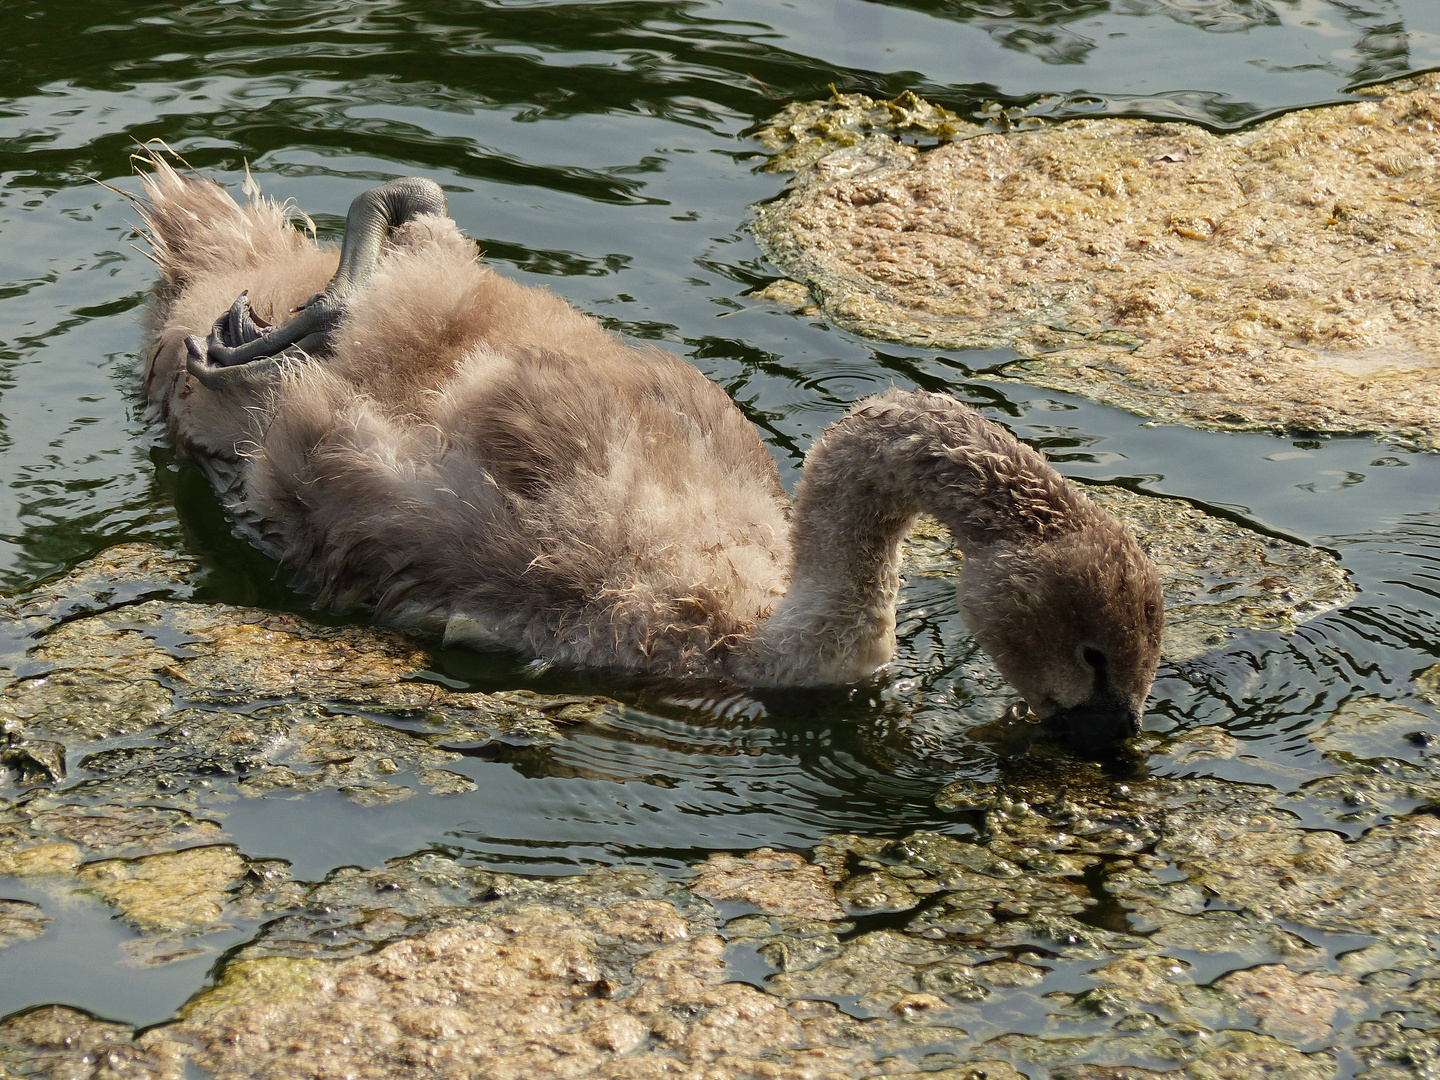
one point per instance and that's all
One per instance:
(195, 228)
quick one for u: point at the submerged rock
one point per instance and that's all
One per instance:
(20, 921)
(429, 968)
(1284, 277)
(425, 967)
(1074, 926)
(193, 705)
(172, 890)
(101, 658)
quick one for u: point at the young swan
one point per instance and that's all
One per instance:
(412, 433)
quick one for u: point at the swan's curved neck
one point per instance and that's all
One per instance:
(865, 482)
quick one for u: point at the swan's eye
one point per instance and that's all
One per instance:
(1092, 658)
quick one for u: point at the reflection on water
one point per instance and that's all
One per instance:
(88, 959)
(598, 149)
(1356, 41)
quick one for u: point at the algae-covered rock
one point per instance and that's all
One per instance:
(58, 1041)
(610, 974)
(427, 967)
(1220, 577)
(284, 748)
(220, 654)
(805, 131)
(118, 576)
(1382, 883)
(1428, 682)
(1067, 923)
(787, 294)
(879, 971)
(1234, 843)
(1371, 729)
(20, 921)
(82, 704)
(1298, 1008)
(117, 829)
(1284, 277)
(133, 662)
(777, 883)
(172, 890)
(49, 838)
(129, 641)
(1226, 1055)
(1391, 1051)
(353, 910)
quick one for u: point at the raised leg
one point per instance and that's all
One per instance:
(238, 338)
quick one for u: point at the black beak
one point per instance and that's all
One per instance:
(1095, 725)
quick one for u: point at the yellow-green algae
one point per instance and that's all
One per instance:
(805, 131)
(171, 890)
(936, 946)
(428, 968)
(1285, 277)
(99, 655)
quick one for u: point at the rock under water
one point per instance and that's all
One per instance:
(1286, 277)
(1189, 927)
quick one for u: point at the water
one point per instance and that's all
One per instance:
(598, 149)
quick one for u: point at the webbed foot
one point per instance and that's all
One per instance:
(239, 339)
(221, 378)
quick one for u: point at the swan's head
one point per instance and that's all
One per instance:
(1073, 622)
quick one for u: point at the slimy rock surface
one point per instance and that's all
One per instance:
(1164, 926)
(1281, 278)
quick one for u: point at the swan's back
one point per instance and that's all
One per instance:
(475, 456)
